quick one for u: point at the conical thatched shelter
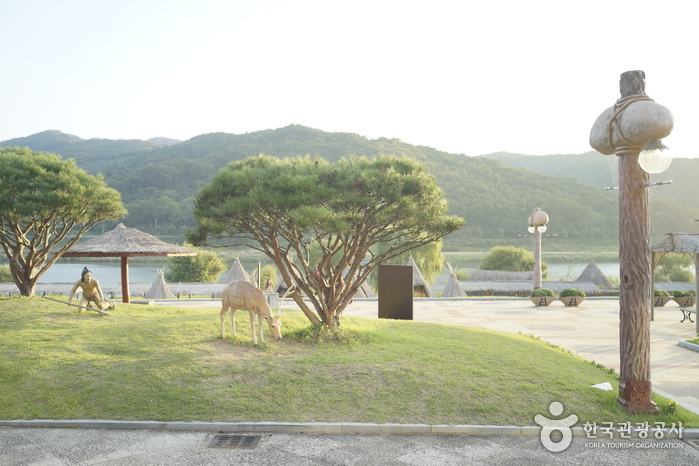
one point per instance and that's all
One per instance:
(453, 288)
(126, 242)
(592, 274)
(420, 287)
(237, 272)
(159, 289)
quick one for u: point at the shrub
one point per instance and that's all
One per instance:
(571, 292)
(682, 293)
(204, 267)
(5, 274)
(660, 293)
(542, 292)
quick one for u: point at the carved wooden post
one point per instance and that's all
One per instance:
(623, 130)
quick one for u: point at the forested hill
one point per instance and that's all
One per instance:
(157, 182)
(90, 154)
(596, 169)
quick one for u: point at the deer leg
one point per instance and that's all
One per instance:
(233, 311)
(222, 315)
(252, 324)
(262, 328)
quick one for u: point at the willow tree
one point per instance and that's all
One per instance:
(47, 202)
(289, 208)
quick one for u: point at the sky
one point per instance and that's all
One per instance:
(462, 76)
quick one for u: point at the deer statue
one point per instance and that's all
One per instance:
(242, 296)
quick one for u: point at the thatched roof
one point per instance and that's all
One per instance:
(159, 289)
(593, 274)
(420, 287)
(678, 242)
(500, 275)
(366, 291)
(237, 272)
(126, 242)
(122, 241)
(453, 288)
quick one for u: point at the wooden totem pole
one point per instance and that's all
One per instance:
(624, 129)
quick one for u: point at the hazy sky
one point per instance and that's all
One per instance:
(461, 76)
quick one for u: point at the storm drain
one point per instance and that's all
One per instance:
(692, 443)
(234, 441)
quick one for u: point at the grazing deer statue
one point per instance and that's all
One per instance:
(242, 296)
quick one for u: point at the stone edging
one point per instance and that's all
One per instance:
(688, 345)
(328, 428)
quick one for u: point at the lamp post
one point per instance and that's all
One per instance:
(537, 225)
(632, 129)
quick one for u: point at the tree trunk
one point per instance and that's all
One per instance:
(27, 289)
(635, 285)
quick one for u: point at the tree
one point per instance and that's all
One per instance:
(510, 258)
(206, 266)
(286, 207)
(675, 267)
(45, 203)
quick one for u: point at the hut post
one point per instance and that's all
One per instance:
(125, 298)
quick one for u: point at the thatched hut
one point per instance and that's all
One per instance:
(453, 288)
(365, 291)
(159, 289)
(592, 274)
(421, 289)
(237, 272)
(124, 243)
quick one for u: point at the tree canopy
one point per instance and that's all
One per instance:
(45, 203)
(286, 207)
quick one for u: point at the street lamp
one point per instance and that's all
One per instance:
(537, 225)
(633, 125)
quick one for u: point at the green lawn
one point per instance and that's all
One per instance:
(170, 364)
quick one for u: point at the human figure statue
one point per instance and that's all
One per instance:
(92, 292)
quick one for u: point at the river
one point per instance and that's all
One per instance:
(110, 275)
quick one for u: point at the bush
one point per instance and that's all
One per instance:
(571, 292)
(204, 267)
(5, 274)
(510, 258)
(542, 292)
(682, 293)
(660, 293)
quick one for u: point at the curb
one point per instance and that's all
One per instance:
(688, 345)
(339, 428)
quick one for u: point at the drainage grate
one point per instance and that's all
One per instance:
(234, 441)
(692, 443)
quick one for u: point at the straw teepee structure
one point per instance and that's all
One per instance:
(159, 289)
(237, 272)
(453, 288)
(421, 289)
(592, 274)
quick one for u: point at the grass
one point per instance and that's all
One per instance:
(169, 363)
